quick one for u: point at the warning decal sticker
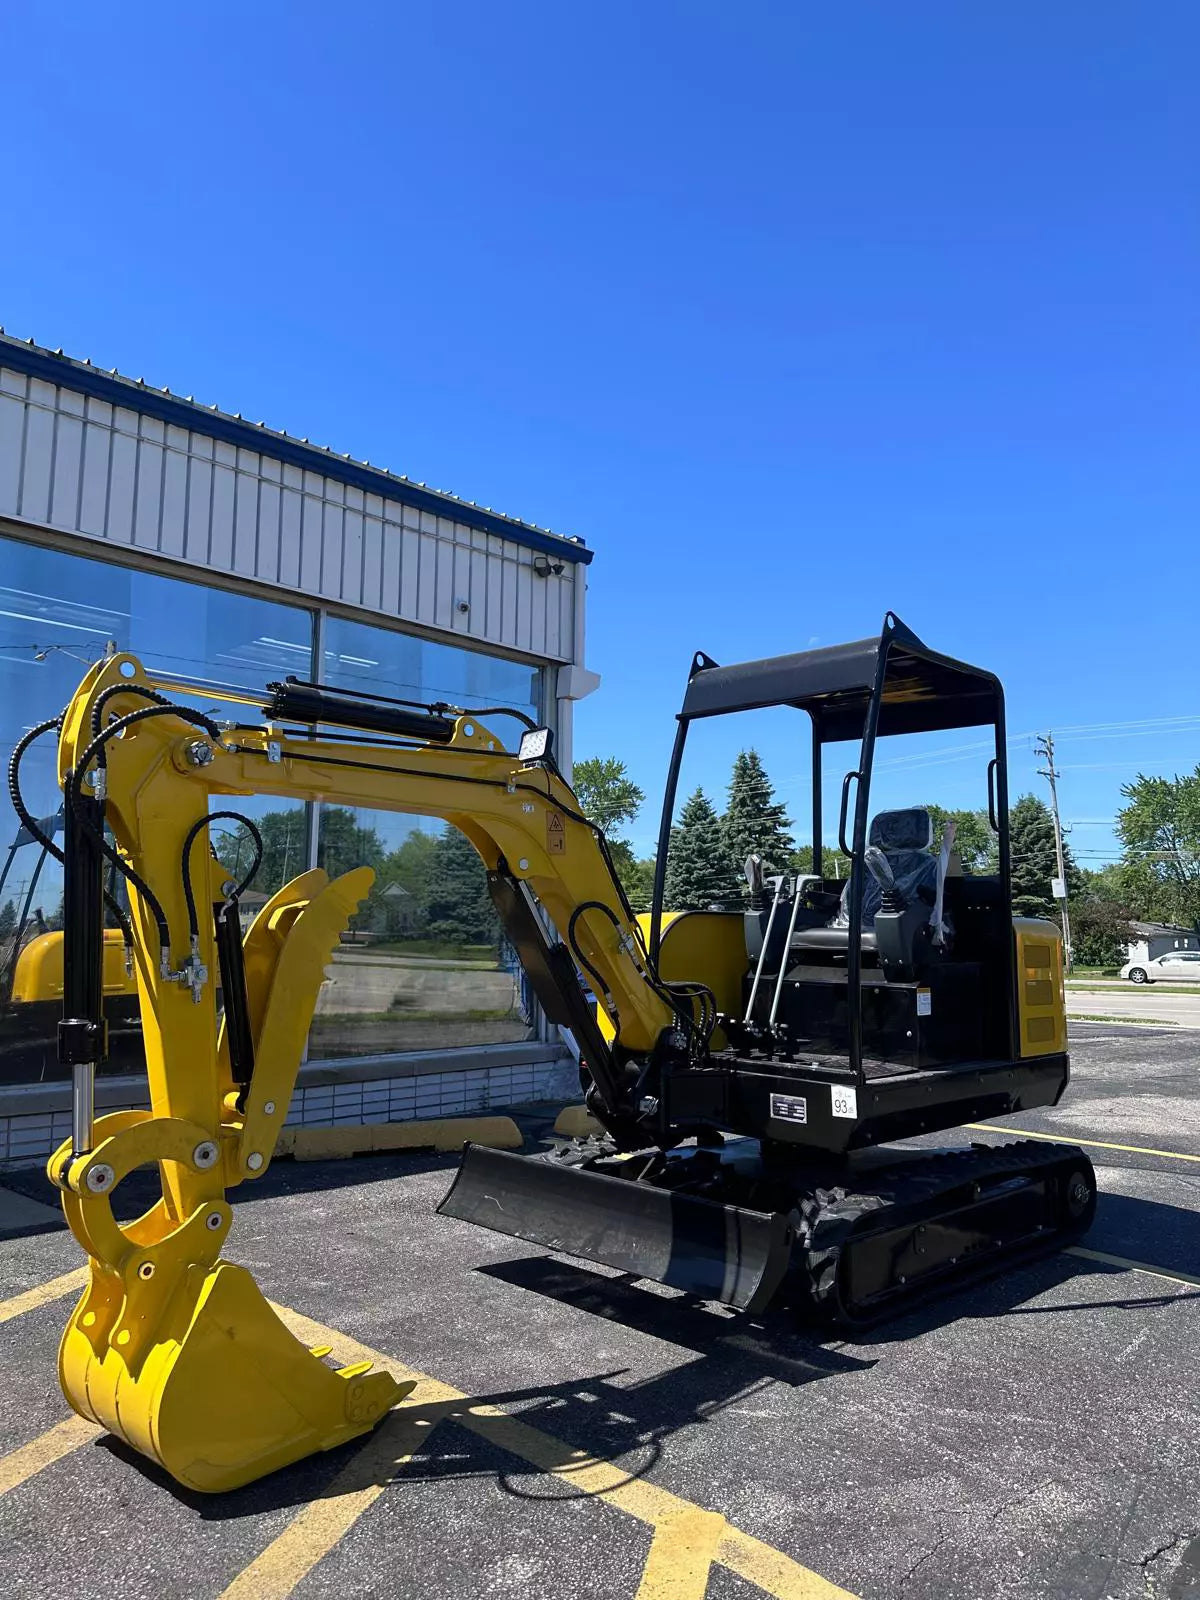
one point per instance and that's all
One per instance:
(556, 834)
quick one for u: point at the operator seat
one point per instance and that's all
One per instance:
(905, 837)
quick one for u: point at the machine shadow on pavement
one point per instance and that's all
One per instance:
(579, 1419)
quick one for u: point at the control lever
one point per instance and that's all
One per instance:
(766, 944)
(880, 868)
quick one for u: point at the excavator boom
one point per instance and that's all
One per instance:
(148, 1350)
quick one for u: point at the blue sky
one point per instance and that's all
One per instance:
(794, 312)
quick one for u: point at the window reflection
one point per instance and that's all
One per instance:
(423, 966)
(428, 967)
(60, 613)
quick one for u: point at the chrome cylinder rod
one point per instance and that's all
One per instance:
(83, 1107)
(762, 954)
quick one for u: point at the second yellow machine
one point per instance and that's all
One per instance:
(751, 1067)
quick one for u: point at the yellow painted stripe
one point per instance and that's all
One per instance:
(68, 1283)
(1132, 1266)
(20, 1465)
(1091, 1144)
(681, 1555)
(774, 1572)
(318, 1526)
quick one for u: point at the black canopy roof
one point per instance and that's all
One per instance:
(922, 691)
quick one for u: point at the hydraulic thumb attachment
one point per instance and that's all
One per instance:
(172, 1349)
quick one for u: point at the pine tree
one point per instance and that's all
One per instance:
(459, 908)
(1034, 860)
(8, 919)
(700, 871)
(754, 822)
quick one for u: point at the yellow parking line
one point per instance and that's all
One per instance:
(681, 1556)
(19, 1465)
(318, 1526)
(1132, 1266)
(759, 1563)
(1094, 1144)
(43, 1294)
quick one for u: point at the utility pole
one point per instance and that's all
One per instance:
(1045, 749)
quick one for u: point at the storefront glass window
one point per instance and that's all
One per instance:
(59, 613)
(428, 968)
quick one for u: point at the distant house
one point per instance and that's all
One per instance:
(1152, 939)
(250, 903)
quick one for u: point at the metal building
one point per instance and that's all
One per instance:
(220, 550)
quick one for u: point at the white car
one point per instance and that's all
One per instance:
(1177, 966)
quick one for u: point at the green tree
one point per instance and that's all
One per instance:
(977, 846)
(755, 823)
(834, 864)
(1034, 860)
(8, 920)
(608, 796)
(1159, 827)
(1100, 918)
(700, 872)
(412, 865)
(459, 908)
(638, 884)
(344, 843)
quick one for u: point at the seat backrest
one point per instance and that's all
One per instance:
(905, 837)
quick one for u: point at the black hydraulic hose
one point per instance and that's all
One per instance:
(589, 905)
(31, 825)
(71, 789)
(188, 893)
(14, 783)
(668, 993)
(110, 693)
(494, 711)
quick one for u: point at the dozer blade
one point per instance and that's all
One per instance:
(714, 1251)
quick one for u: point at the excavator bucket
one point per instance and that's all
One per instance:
(176, 1351)
(713, 1251)
(226, 1394)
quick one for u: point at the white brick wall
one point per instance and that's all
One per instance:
(28, 1140)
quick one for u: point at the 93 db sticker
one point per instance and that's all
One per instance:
(789, 1108)
(845, 1103)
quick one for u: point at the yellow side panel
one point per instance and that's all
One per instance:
(39, 974)
(1041, 1004)
(701, 947)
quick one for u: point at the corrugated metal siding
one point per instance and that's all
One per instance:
(79, 464)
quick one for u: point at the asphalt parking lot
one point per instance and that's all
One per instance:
(577, 1434)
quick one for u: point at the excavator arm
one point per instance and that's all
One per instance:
(171, 1347)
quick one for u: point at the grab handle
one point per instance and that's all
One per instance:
(992, 795)
(857, 778)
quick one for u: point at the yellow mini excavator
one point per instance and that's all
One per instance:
(749, 1068)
